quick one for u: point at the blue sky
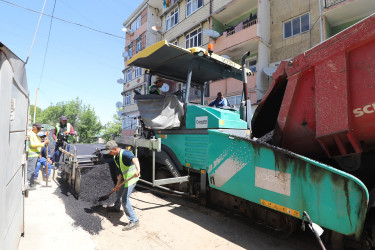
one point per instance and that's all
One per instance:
(80, 62)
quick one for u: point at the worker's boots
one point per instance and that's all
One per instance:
(131, 225)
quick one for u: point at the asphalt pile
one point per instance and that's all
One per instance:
(95, 182)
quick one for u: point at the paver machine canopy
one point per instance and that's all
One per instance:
(196, 67)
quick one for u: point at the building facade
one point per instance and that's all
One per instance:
(139, 35)
(297, 26)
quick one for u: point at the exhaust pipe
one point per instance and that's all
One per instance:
(245, 107)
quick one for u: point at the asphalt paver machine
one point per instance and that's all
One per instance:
(210, 153)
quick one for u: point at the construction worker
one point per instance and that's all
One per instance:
(220, 101)
(34, 152)
(128, 166)
(42, 159)
(155, 89)
(63, 132)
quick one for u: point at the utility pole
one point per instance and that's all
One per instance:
(36, 97)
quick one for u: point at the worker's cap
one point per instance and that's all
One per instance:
(41, 134)
(109, 146)
(37, 125)
(63, 118)
(158, 78)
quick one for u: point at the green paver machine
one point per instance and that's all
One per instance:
(209, 153)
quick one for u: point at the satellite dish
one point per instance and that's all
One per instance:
(211, 33)
(118, 105)
(269, 71)
(120, 113)
(165, 87)
(125, 54)
(127, 30)
(225, 56)
(156, 28)
(120, 81)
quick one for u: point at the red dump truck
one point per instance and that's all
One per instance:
(321, 104)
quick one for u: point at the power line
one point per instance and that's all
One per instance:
(45, 53)
(46, 96)
(63, 20)
(36, 31)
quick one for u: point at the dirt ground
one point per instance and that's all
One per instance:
(53, 220)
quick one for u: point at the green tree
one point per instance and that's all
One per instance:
(71, 110)
(82, 117)
(88, 125)
(38, 115)
(112, 129)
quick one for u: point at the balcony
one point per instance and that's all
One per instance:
(329, 3)
(237, 40)
(243, 25)
(341, 12)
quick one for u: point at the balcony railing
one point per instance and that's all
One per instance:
(243, 25)
(329, 3)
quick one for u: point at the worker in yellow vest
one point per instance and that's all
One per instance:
(34, 152)
(63, 132)
(155, 89)
(128, 167)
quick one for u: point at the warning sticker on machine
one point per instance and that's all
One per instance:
(201, 122)
(280, 208)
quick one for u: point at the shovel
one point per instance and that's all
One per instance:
(105, 197)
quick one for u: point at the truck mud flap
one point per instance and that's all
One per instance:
(287, 182)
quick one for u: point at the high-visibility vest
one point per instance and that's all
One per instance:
(149, 89)
(70, 138)
(127, 171)
(34, 152)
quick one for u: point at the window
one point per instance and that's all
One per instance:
(297, 25)
(234, 100)
(139, 45)
(130, 50)
(128, 75)
(192, 6)
(129, 123)
(138, 71)
(136, 24)
(171, 19)
(127, 98)
(252, 64)
(194, 38)
(139, 90)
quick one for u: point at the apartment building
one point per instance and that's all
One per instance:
(295, 27)
(139, 35)
(298, 25)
